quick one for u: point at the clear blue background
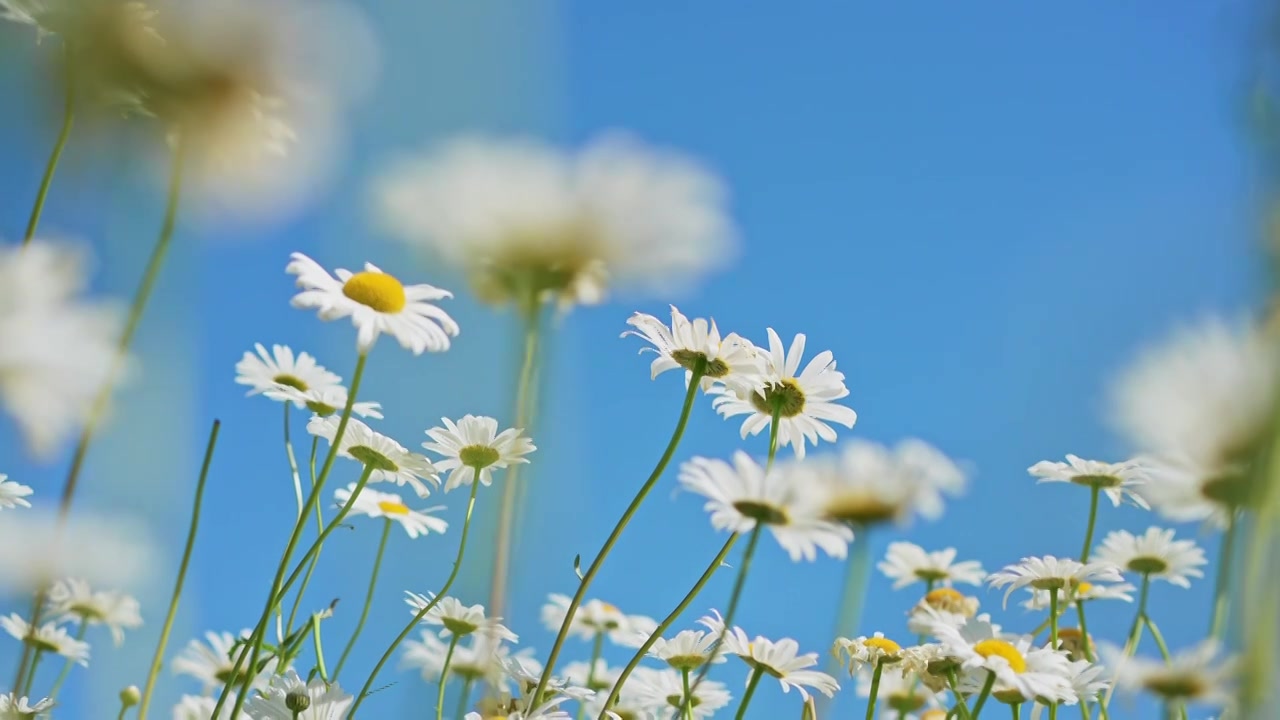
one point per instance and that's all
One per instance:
(983, 209)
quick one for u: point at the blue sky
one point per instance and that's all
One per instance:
(981, 210)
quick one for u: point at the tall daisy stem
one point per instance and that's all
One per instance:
(875, 689)
(31, 676)
(368, 599)
(986, 693)
(157, 660)
(621, 525)
(756, 674)
(857, 574)
(444, 677)
(463, 697)
(311, 568)
(1016, 711)
(293, 461)
(1093, 518)
(666, 623)
(687, 699)
(597, 646)
(315, 640)
(66, 667)
(1053, 618)
(1218, 624)
(448, 583)
(1084, 631)
(1135, 635)
(961, 704)
(68, 119)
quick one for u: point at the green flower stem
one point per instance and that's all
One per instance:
(666, 623)
(1084, 631)
(315, 559)
(157, 660)
(444, 677)
(590, 574)
(1084, 710)
(124, 708)
(1093, 517)
(597, 646)
(293, 461)
(1053, 618)
(875, 689)
(756, 674)
(687, 699)
(66, 667)
(253, 647)
(773, 437)
(68, 119)
(502, 547)
(852, 596)
(1016, 709)
(1053, 711)
(31, 675)
(1155, 635)
(463, 697)
(453, 575)
(1218, 624)
(1135, 636)
(315, 640)
(961, 704)
(368, 598)
(986, 693)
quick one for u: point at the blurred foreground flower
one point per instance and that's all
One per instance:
(530, 223)
(101, 551)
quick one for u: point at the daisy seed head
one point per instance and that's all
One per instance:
(373, 458)
(478, 456)
(378, 290)
(783, 397)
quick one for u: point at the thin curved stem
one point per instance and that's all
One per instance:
(453, 575)
(51, 167)
(368, 599)
(1084, 631)
(875, 689)
(444, 677)
(590, 575)
(157, 660)
(293, 461)
(315, 640)
(986, 693)
(31, 676)
(315, 559)
(961, 703)
(1093, 518)
(597, 645)
(1218, 624)
(666, 623)
(756, 674)
(463, 697)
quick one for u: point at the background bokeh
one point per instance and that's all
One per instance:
(983, 210)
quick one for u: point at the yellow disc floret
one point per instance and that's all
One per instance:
(393, 507)
(1000, 648)
(884, 645)
(377, 290)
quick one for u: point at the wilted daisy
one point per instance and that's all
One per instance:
(391, 506)
(19, 708)
(288, 697)
(742, 495)
(388, 460)
(200, 707)
(804, 402)
(688, 650)
(49, 638)
(730, 359)
(1199, 674)
(1155, 554)
(661, 692)
(35, 551)
(531, 223)
(274, 374)
(1117, 480)
(377, 303)
(593, 617)
(57, 347)
(73, 598)
(213, 662)
(862, 652)
(1049, 573)
(906, 563)
(474, 442)
(1198, 403)
(781, 660)
(458, 619)
(13, 494)
(869, 484)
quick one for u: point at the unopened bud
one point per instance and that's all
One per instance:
(130, 696)
(297, 701)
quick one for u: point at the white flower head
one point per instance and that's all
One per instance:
(21, 708)
(1051, 573)
(1154, 553)
(1021, 671)
(278, 372)
(941, 605)
(529, 222)
(377, 303)
(73, 598)
(781, 660)
(661, 692)
(594, 617)
(288, 697)
(907, 563)
(742, 495)
(13, 494)
(213, 661)
(391, 506)
(200, 707)
(869, 484)
(1117, 480)
(687, 650)
(474, 441)
(862, 652)
(457, 618)
(36, 551)
(332, 401)
(387, 459)
(49, 638)
(57, 348)
(1199, 674)
(803, 400)
(479, 658)
(686, 343)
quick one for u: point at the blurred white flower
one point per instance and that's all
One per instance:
(900, 693)
(906, 563)
(288, 697)
(57, 347)
(13, 494)
(198, 707)
(474, 441)
(480, 660)
(49, 638)
(530, 223)
(1199, 674)
(661, 692)
(459, 619)
(21, 708)
(869, 484)
(1117, 480)
(593, 617)
(686, 342)
(73, 598)
(213, 662)
(1072, 594)
(688, 650)
(34, 551)
(391, 506)
(388, 459)
(1155, 554)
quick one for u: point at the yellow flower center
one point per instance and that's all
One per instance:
(785, 397)
(1083, 588)
(934, 715)
(947, 599)
(377, 290)
(884, 645)
(1000, 648)
(290, 381)
(393, 507)
(609, 607)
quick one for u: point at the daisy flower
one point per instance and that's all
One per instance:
(862, 652)
(73, 598)
(47, 638)
(869, 484)
(907, 563)
(687, 342)
(980, 649)
(1072, 594)
(288, 697)
(1199, 674)
(804, 403)
(1049, 573)
(331, 401)
(1086, 680)
(200, 707)
(1197, 403)
(274, 374)
(901, 693)
(941, 605)
(377, 303)
(661, 692)
(213, 664)
(57, 347)
(390, 506)
(20, 708)
(458, 619)
(596, 676)
(1117, 480)
(388, 459)
(529, 222)
(593, 617)
(781, 660)
(35, 551)
(479, 660)
(525, 673)
(474, 442)
(1154, 554)
(13, 494)
(688, 650)
(742, 495)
